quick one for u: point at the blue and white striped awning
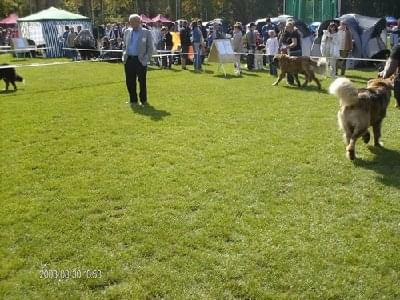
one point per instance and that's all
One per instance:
(49, 33)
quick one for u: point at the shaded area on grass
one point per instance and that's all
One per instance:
(386, 163)
(308, 88)
(7, 92)
(150, 111)
(73, 88)
(228, 76)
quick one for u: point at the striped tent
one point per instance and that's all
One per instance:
(47, 26)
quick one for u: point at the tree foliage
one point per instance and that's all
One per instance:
(232, 10)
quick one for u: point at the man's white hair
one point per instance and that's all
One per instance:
(134, 16)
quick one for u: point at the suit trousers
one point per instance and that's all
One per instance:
(135, 71)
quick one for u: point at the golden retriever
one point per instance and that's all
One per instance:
(361, 108)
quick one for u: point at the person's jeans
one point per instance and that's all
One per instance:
(74, 54)
(197, 56)
(272, 67)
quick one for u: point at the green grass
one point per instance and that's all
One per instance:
(224, 188)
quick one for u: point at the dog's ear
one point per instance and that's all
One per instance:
(390, 83)
(380, 83)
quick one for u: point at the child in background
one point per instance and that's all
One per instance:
(259, 52)
(272, 48)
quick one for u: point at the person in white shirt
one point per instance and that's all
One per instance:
(330, 45)
(272, 48)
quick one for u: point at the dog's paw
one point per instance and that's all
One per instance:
(351, 154)
(378, 144)
(275, 83)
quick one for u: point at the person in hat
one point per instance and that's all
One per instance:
(237, 42)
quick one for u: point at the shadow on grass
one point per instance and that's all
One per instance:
(250, 74)
(83, 86)
(19, 59)
(228, 76)
(385, 163)
(150, 111)
(7, 92)
(204, 71)
(308, 88)
(155, 68)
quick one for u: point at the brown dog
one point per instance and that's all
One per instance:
(361, 108)
(295, 65)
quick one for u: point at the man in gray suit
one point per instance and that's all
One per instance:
(137, 51)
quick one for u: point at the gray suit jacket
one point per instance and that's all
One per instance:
(145, 45)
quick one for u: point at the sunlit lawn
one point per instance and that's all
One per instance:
(222, 188)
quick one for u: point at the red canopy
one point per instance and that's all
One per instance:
(161, 18)
(10, 20)
(145, 19)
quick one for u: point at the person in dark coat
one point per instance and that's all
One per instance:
(167, 47)
(184, 35)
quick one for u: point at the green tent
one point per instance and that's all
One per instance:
(53, 13)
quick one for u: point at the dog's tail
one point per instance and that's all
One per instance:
(344, 89)
(319, 66)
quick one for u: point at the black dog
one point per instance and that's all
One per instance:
(9, 75)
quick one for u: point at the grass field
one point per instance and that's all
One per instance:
(222, 188)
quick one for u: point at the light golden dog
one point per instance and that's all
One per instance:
(361, 108)
(295, 65)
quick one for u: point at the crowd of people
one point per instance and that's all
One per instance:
(260, 46)
(6, 34)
